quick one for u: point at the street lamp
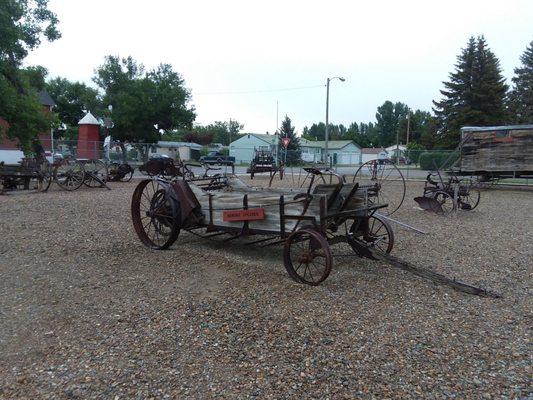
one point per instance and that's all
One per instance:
(327, 114)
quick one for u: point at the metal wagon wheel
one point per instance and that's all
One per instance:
(95, 173)
(374, 231)
(155, 214)
(69, 175)
(443, 203)
(120, 172)
(379, 234)
(129, 174)
(469, 195)
(44, 176)
(307, 256)
(388, 180)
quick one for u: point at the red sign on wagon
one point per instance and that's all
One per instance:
(252, 214)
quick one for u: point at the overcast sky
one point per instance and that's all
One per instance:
(386, 50)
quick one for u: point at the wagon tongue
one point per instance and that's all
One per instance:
(429, 204)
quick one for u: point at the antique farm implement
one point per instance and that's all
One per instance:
(71, 174)
(308, 223)
(30, 174)
(443, 197)
(264, 161)
(119, 172)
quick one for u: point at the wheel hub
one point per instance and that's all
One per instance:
(305, 258)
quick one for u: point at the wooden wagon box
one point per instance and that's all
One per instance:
(281, 209)
(493, 150)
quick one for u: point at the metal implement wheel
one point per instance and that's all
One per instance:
(373, 231)
(307, 256)
(469, 201)
(129, 174)
(44, 176)
(155, 214)
(95, 173)
(119, 172)
(378, 234)
(443, 204)
(468, 195)
(69, 175)
(388, 181)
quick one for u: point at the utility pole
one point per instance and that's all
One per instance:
(408, 121)
(327, 116)
(277, 133)
(327, 123)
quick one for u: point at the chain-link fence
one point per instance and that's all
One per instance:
(412, 164)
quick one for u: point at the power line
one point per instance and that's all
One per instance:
(259, 91)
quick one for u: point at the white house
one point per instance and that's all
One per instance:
(341, 152)
(183, 150)
(243, 148)
(371, 153)
(392, 150)
(311, 150)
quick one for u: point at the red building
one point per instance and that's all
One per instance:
(10, 152)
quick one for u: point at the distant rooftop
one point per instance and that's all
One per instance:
(494, 128)
(332, 144)
(373, 150)
(88, 120)
(45, 99)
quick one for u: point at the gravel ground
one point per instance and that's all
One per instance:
(87, 312)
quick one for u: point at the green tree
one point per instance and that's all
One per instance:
(144, 104)
(475, 94)
(73, 99)
(521, 96)
(23, 24)
(35, 76)
(294, 152)
(315, 132)
(388, 119)
(223, 132)
(355, 133)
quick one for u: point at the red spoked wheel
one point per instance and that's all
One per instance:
(155, 214)
(307, 256)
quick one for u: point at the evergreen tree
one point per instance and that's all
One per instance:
(294, 151)
(475, 94)
(521, 97)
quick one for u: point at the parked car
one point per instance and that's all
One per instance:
(216, 157)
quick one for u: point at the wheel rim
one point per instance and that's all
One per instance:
(444, 203)
(155, 215)
(387, 180)
(94, 170)
(45, 176)
(471, 198)
(69, 175)
(380, 234)
(307, 257)
(128, 176)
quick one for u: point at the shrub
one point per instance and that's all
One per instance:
(431, 160)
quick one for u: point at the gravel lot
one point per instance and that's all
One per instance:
(87, 312)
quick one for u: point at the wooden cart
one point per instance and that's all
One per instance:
(308, 222)
(30, 174)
